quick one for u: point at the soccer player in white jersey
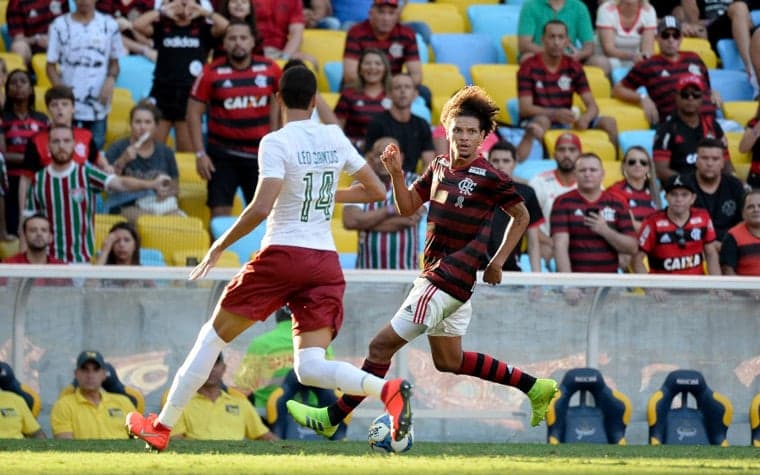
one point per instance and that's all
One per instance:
(297, 265)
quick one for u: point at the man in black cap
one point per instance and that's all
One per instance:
(680, 238)
(659, 74)
(90, 412)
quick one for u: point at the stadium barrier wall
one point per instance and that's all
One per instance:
(708, 324)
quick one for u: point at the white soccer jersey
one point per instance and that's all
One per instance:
(547, 189)
(308, 157)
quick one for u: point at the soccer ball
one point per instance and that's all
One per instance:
(380, 440)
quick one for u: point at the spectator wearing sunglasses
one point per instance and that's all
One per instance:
(638, 187)
(680, 238)
(658, 75)
(675, 141)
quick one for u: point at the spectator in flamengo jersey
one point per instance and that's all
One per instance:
(679, 239)
(386, 240)
(720, 193)
(590, 227)
(20, 122)
(676, 139)
(382, 30)
(546, 83)
(659, 74)
(503, 157)
(360, 102)
(60, 105)
(638, 187)
(88, 62)
(183, 33)
(238, 93)
(28, 23)
(740, 252)
(65, 192)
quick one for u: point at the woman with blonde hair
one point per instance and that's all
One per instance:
(639, 186)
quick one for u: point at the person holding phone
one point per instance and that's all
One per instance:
(590, 226)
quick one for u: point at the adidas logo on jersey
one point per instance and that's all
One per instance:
(578, 212)
(227, 83)
(665, 239)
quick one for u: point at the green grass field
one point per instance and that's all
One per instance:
(286, 457)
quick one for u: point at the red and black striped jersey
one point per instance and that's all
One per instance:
(551, 88)
(640, 202)
(462, 204)
(741, 251)
(33, 17)
(590, 252)
(357, 109)
(18, 132)
(400, 44)
(673, 249)
(129, 10)
(675, 142)
(239, 102)
(658, 75)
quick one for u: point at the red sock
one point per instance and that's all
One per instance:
(485, 367)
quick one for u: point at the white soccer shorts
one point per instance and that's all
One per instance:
(428, 309)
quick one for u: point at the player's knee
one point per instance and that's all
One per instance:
(307, 368)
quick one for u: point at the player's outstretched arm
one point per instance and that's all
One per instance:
(369, 188)
(407, 200)
(267, 191)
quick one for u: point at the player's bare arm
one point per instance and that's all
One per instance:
(368, 189)
(407, 200)
(267, 191)
(517, 226)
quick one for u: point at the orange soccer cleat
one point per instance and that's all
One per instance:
(155, 434)
(396, 395)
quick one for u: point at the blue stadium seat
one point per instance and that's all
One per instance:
(136, 74)
(732, 85)
(530, 168)
(755, 15)
(602, 423)
(513, 135)
(423, 49)
(494, 21)
(629, 138)
(513, 109)
(151, 257)
(334, 73)
(347, 260)
(351, 10)
(619, 73)
(707, 423)
(246, 245)
(464, 50)
(420, 109)
(729, 54)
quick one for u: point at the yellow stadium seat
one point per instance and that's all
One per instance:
(740, 111)
(170, 234)
(443, 80)
(8, 248)
(463, 5)
(700, 46)
(103, 223)
(192, 200)
(3, 13)
(511, 50)
(500, 81)
(592, 140)
(12, 61)
(597, 80)
(331, 98)
(185, 258)
(733, 149)
(324, 46)
(628, 116)
(118, 119)
(612, 172)
(345, 240)
(39, 99)
(440, 17)
(39, 65)
(742, 170)
(188, 173)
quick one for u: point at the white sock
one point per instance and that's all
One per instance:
(313, 369)
(192, 374)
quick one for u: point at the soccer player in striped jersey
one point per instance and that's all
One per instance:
(297, 264)
(463, 190)
(65, 192)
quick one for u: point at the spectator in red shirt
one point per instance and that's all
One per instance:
(679, 239)
(28, 22)
(740, 252)
(38, 237)
(281, 24)
(546, 83)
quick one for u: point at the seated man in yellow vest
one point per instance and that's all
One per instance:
(16, 418)
(90, 412)
(215, 414)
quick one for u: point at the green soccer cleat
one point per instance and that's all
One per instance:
(314, 418)
(540, 395)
